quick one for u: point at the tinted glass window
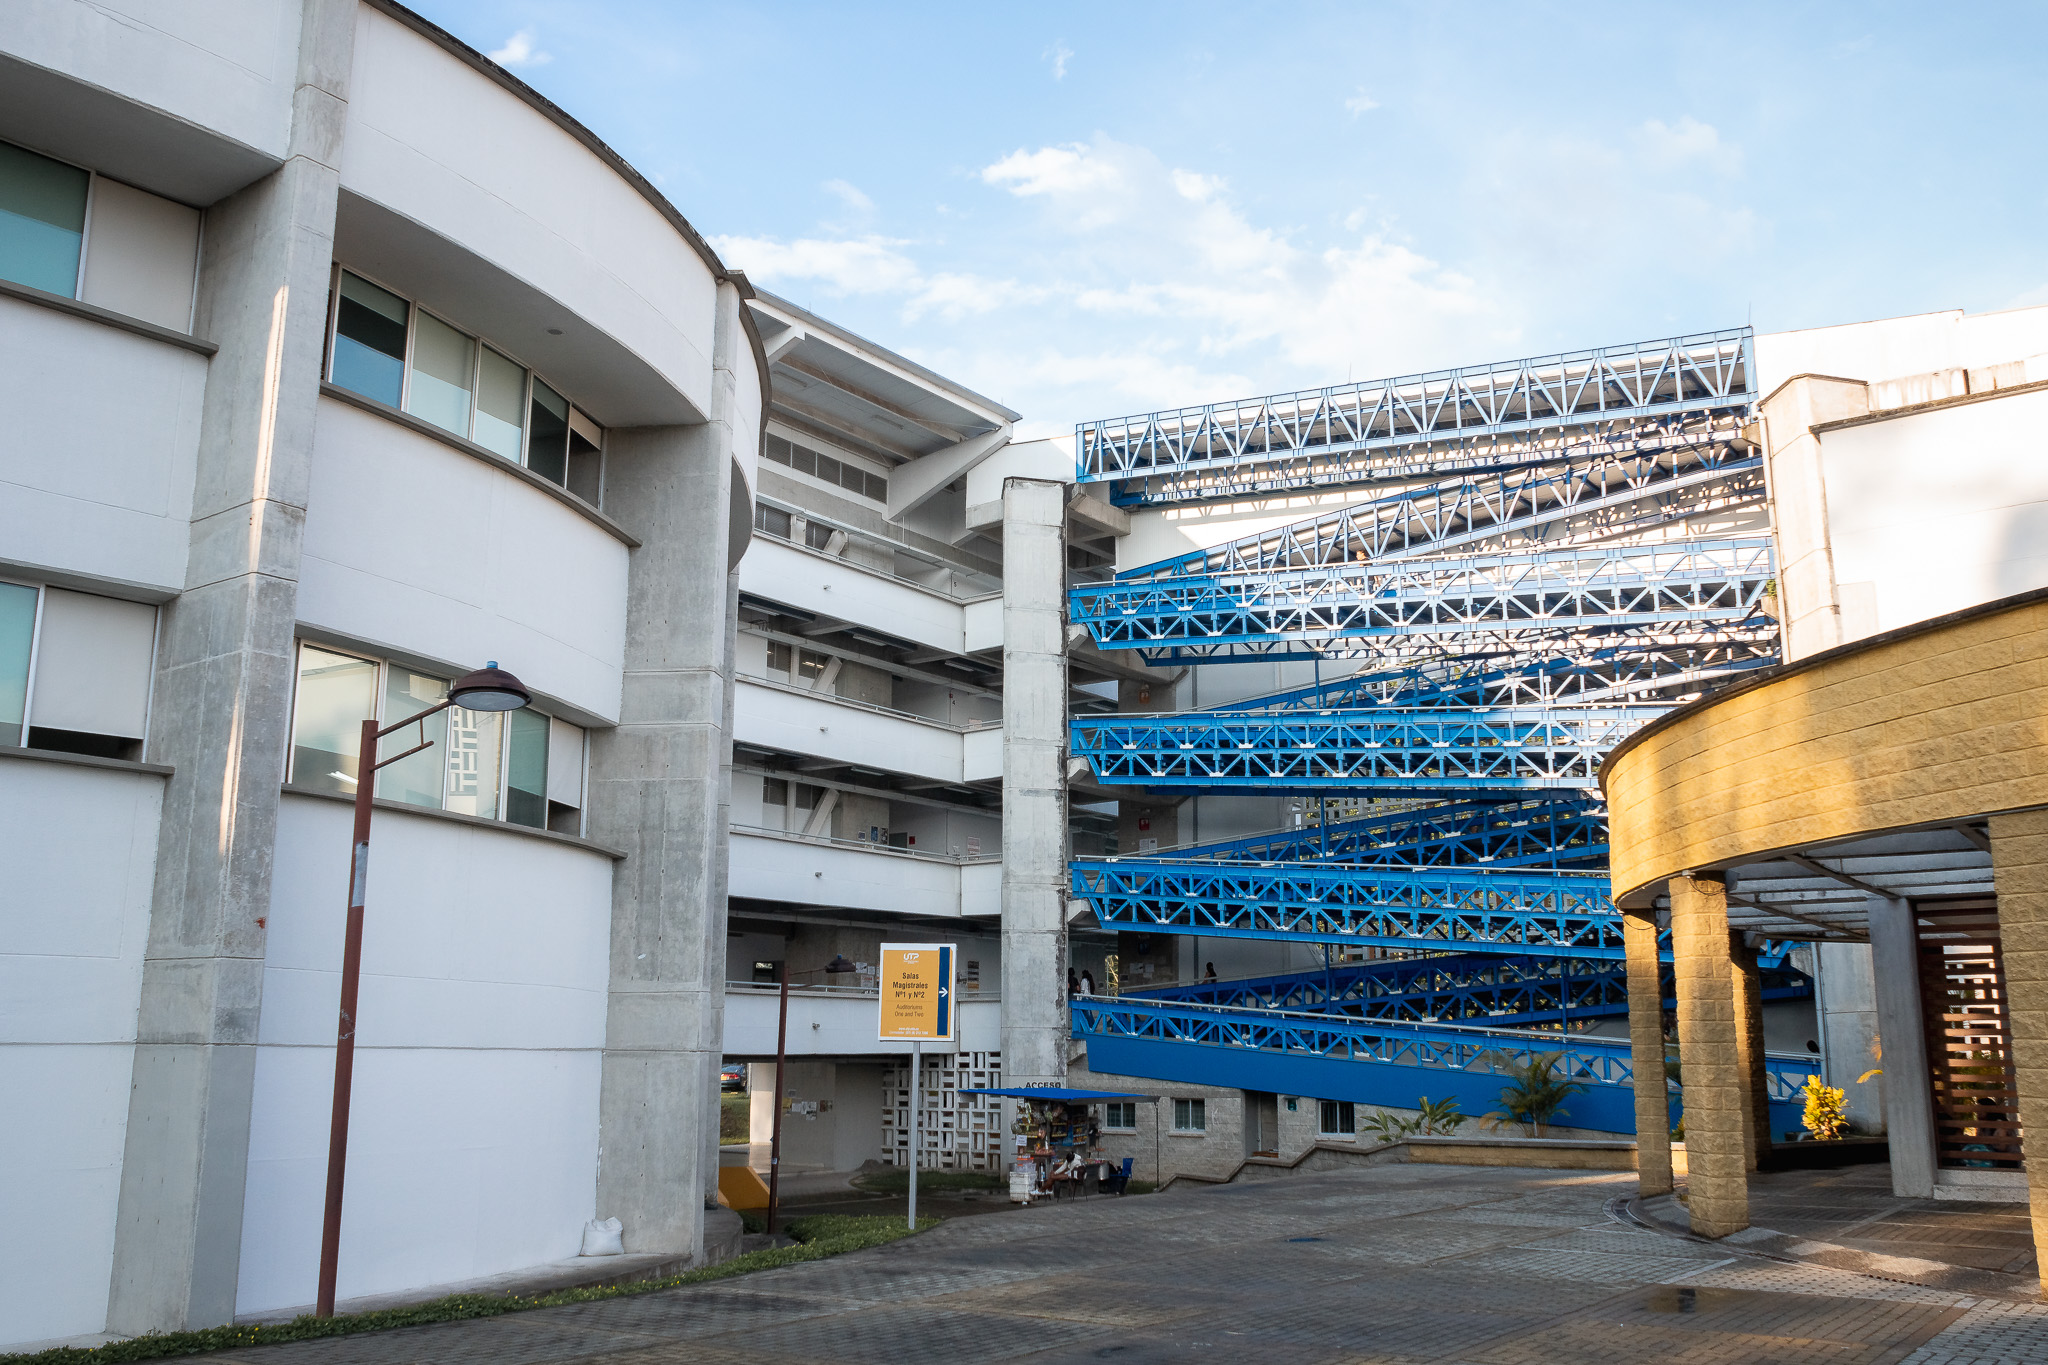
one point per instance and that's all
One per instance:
(337, 693)
(526, 768)
(547, 440)
(42, 220)
(369, 340)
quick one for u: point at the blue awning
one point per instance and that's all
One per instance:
(1047, 1092)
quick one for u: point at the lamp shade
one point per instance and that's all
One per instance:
(490, 688)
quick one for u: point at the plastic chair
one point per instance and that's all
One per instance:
(1115, 1182)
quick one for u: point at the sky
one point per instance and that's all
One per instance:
(1091, 210)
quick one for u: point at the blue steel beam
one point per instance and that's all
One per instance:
(1669, 585)
(1514, 910)
(1540, 507)
(1701, 647)
(1423, 425)
(1562, 829)
(1584, 676)
(1452, 987)
(1381, 749)
(1373, 1063)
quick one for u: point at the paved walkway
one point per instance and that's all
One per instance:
(1396, 1265)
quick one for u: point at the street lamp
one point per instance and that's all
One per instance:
(838, 966)
(490, 688)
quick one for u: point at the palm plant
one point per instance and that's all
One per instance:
(1536, 1094)
(1439, 1118)
(1390, 1127)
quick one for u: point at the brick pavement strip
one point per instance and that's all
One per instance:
(1393, 1265)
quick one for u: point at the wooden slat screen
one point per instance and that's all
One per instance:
(1969, 1038)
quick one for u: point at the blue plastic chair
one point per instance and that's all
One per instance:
(1114, 1183)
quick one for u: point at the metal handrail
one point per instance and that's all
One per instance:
(864, 846)
(965, 728)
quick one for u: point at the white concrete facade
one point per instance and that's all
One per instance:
(229, 495)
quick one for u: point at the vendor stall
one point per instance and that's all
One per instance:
(1054, 1143)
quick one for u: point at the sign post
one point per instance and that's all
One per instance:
(917, 1006)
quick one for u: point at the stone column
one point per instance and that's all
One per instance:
(1755, 1090)
(1646, 1053)
(1035, 1028)
(659, 786)
(222, 707)
(1717, 1183)
(1909, 1090)
(2019, 860)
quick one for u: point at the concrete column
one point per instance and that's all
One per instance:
(2019, 861)
(1646, 1053)
(1035, 1029)
(1755, 1094)
(659, 788)
(1846, 1000)
(1717, 1182)
(221, 710)
(721, 877)
(1908, 1091)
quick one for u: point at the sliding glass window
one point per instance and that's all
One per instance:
(369, 340)
(500, 405)
(526, 768)
(337, 693)
(415, 779)
(42, 220)
(443, 374)
(547, 436)
(17, 643)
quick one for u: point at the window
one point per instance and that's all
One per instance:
(778, 657)
(523, 766)
(1120, 1116)
(74, 670)
(1336, 1118)
(809, 665)
(818, 535)
(1190, 1116)
(842, 473)
(42, 220)
(386, 348)
(772, 520)
(774, 791)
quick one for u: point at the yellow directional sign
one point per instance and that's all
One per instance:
(917, 992)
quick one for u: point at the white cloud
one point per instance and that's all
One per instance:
(1059, 54)
(1686, 143)
(861, 265)
(1361, 103)
(849, 195)
(519, 50)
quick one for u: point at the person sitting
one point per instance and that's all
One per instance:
(1210, 974)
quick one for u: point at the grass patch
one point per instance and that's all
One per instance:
(896, 1180)
(733, 1121)
(817, 1237)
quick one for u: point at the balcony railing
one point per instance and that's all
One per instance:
(865, 846)
(796, 690)
(963, 585)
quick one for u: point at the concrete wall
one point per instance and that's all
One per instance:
(481, 1028)
(424, 549)
(79, 846)
(96, 472)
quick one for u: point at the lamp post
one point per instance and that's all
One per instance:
(838, 966)
(490, 688)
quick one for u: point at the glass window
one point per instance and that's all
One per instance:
(369, 340)
(443, 368)
(817, 534)
(1190, 1116)
(803, 459)
(1120, 1115)
(778, 657)
(828, 469)
(416, 779)
(774, 791)
(42, 220)
(337, 693)
(809, 665)
(772, 520)
(547, 440)
(1336, 1118)
(500, 405)
(17, 636)
(776, 449)
(878, 488)
(853, 479)
(526, 768)
(473, 750)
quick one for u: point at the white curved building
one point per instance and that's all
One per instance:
(338, 363)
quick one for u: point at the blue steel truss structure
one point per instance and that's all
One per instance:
(1539, 557)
